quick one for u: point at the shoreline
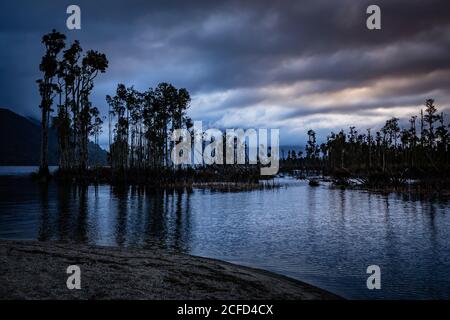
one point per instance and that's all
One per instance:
(32, 270)
(415, 190)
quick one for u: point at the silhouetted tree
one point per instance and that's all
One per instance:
(143, 122)
(393, 151)
(54, 42)
(73, 81)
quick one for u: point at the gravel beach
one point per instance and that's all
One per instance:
(37, 270)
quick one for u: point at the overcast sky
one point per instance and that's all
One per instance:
(292, 65)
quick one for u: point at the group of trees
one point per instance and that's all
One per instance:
(140, 123)
(68, 77)
(422, 146)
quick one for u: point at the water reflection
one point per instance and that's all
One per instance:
(45, 230)
(122, 216)
(324, 236)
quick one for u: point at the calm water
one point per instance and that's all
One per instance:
(319, 235)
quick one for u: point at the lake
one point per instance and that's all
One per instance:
(324, 236)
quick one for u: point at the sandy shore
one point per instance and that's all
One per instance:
(37, 270)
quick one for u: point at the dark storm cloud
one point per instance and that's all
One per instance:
(282, 59)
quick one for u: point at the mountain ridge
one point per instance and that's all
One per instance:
(20, 141)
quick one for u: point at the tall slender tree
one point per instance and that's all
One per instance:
(54, 42)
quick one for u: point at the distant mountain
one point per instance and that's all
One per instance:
(20, 142)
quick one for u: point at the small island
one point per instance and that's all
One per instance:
(140, 125)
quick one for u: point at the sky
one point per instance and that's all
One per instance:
(292, 65)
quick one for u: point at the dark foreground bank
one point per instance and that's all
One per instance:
(37, 270)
